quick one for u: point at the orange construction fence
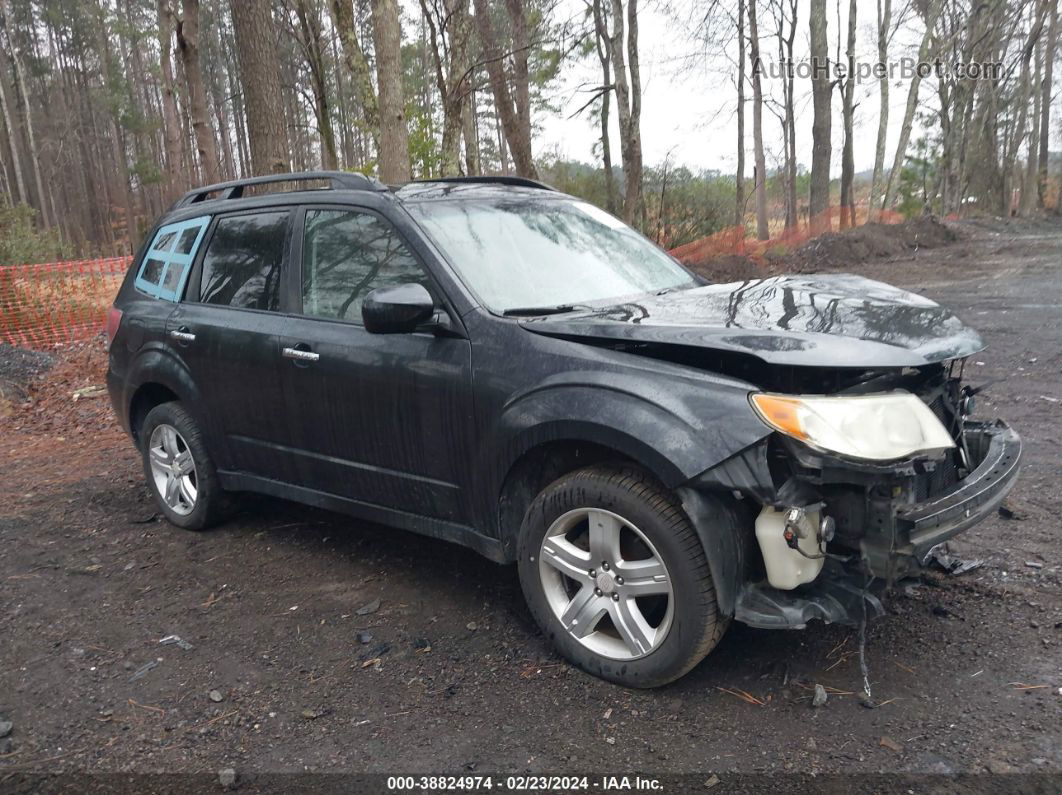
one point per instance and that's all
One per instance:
(57, 302)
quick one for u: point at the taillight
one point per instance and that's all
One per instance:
(114, 320)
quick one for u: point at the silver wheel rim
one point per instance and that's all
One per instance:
(618, 607)
(173, 469)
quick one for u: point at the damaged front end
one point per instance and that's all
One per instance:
(834, 531)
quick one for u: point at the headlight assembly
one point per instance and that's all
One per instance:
(870, 427)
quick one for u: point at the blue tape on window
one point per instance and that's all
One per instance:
(167, 263)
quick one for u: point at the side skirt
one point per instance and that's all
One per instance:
(464, 535)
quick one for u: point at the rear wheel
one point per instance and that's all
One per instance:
(179, 472)
(617, 578)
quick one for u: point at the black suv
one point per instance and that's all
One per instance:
(494, 363)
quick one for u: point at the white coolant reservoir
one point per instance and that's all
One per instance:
(787, 568)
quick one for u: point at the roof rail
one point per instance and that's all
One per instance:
(517, 182)
(338, 180)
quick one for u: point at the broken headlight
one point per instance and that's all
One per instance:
(871, 427)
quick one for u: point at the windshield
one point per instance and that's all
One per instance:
(526, 254)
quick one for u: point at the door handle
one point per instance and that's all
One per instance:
(300, 355)
(182, 334)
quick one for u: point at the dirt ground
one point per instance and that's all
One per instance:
(320, 644)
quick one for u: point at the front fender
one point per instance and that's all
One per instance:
(677, 428)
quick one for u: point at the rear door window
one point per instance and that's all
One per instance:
(168, 261)
(243, 261)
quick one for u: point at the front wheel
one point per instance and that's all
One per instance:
(617, 578)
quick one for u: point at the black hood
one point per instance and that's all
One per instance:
(826, 320)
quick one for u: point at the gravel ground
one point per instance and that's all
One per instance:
(317, 644)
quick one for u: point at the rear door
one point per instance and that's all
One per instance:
(226, 331)
(384, 419)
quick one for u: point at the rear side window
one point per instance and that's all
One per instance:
(241, 267)
(345, 256)
(168, 260)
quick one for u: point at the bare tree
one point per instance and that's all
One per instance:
(1050, 48)
(785, 13)
(601, 44)
(20, 79)
(449, 26)
(762, 231)
(308, 35)
(819, 202)
(358, 66)
(884, 24)
(623, 48)
(847, 113)
(739, 174)
(1012, 143)
(16, 161)
(513, 107)
(394, 136)
(186, 27)
(256, 51)
(893, 180)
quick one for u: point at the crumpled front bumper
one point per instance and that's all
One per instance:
(892, 530)
(978, 495)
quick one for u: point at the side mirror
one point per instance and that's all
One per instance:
(397, 310)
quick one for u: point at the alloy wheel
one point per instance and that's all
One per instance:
(173, 469)
(606, 583)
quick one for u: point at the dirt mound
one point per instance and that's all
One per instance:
(868, 242)
(832, 251)
(48, 405)
(19, 367)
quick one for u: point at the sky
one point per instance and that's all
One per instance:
(689, 96)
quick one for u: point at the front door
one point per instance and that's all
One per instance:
(385, 419)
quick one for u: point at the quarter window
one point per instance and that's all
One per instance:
(165, 268)
(345, 256)
(241, 267)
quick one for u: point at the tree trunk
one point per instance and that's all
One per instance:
(513, 108)
(358, 66)
(893, 181)
(884, 23)
(785, 57)
(601, 44)
(310, 40)
(256, 51)
(739, 172)
(1028, 184)
(1045, 105)
(394, 136)
(12, 137)
(762, 232)
(470, 132)
(627, 72)
(31, 137)
(848, 109)
(120, 165)
(449, 35)
(188, 46)
(819, 200)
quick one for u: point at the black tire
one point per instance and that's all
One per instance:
(696, 624)
(211, 501)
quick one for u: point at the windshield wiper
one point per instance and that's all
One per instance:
(558, 309)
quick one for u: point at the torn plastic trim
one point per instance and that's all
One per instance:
(835, 597)
(722, 548)
(747, 472)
